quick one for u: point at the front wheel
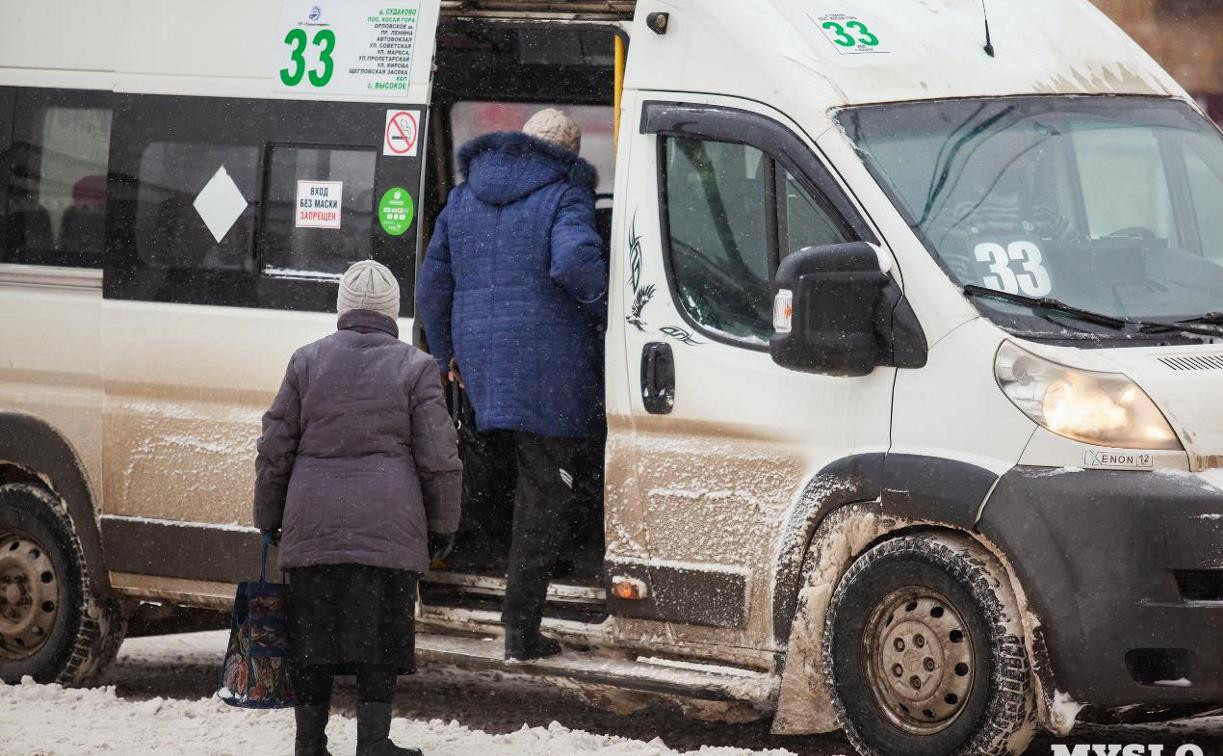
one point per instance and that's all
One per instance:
(51, 626)
(923, 651)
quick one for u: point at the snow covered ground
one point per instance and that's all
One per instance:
(49, 719)
(155, 700)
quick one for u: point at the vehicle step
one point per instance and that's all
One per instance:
(495, 586)
(647, 674)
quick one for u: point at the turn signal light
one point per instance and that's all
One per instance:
(783, 311)
(629, 589)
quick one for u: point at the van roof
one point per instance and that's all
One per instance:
(785, 52)
(830, 53)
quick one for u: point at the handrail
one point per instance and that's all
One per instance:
(619, 96)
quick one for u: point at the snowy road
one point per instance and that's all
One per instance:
(158, 704)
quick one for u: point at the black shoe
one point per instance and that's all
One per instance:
(524, 645)
(311, 738)
(373, 732)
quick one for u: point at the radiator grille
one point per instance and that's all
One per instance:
(1194, 362)
(1200, 585)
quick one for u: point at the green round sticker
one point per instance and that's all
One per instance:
(396, 211)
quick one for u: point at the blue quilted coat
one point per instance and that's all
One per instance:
(515, 287)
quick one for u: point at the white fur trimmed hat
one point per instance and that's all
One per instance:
(551, 125)
(369, 285)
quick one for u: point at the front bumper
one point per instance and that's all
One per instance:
(1124, 572)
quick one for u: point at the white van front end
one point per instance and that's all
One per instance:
(1050, 203)
(1077, 399)
(1113, 519)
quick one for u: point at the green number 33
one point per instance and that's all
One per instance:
(324, 39)
(845, 39)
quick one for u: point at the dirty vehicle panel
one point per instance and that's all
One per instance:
(832, 356)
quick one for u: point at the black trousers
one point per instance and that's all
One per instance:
(550, 468)
(312, 683)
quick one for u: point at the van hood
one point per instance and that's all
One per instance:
(1186, 383)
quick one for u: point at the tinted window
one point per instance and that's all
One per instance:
(196, 206)
(320, 210)
(56, 177)
(7, 95)
(805, 221)
(254, 203)
(719, 247)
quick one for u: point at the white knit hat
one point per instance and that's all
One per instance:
(369, 285)
(551, 125)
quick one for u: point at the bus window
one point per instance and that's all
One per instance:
(56, 210)
(469, 120)
(237, 202)
(317, 247)
(195, 206)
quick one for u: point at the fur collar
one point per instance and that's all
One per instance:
(579, 171)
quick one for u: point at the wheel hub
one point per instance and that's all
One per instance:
(914, 670)
(29, 595)
(921, 660)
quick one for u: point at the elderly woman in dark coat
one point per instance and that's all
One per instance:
(358, 465)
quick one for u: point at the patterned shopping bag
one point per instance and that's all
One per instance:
(256, 670)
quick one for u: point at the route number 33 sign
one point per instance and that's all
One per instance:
(352, 47)
(850, 34)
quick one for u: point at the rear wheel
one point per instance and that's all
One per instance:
(923, 651)
(51, 626)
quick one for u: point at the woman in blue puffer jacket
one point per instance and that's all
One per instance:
(514, 288)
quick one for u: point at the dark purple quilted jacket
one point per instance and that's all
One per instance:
(358, 460)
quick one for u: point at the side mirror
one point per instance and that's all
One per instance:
(833, 313)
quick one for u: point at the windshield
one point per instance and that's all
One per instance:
(1109, 204)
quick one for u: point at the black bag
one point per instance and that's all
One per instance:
(490, 474)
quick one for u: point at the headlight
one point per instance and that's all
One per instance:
(1104, 409)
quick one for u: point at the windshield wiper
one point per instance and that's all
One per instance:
(1210, 318)
(1208, 328)
(1210, 324)
(1048, 303)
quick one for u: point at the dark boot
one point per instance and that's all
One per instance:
(373, 732)
(311, 738)
(524, 644)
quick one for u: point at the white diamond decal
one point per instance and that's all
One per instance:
(220, 203)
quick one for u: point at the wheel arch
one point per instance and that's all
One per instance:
(35, 453)
(919, 488)
(844, 527)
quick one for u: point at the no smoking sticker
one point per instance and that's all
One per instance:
(400, 139)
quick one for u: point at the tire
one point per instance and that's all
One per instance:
(924, 655)
(52, 628)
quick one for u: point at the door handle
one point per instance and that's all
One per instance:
(657, 378)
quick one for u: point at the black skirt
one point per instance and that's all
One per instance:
(350, 614)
